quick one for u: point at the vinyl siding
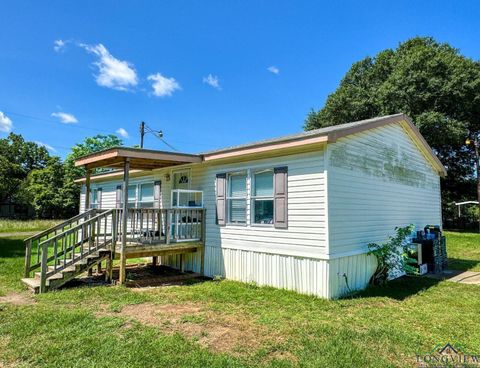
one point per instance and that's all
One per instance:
(378, 180)
(306, 233)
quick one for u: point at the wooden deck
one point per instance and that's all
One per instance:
(135, 250)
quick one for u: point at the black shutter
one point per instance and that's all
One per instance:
(221, 199)
(157, 190)
(118, 197)
(99, 198)
(281, 197)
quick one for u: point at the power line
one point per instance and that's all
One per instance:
(145, 129)
(53, 122)
(56, 123)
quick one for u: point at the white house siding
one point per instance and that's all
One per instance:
(377, 180)
(306, 233)
(286, 258)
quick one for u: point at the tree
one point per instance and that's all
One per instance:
(17, 159)
(432, 83)
(44, 189)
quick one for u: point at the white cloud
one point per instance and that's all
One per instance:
(59, 45)
(112, 72)
(273, 69)
(122, 132)
(163, 86)
(47, 146)
(6, 124)
(65, 117)
(212, 80)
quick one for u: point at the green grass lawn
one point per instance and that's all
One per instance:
(463, 251)
(10, 226)
(230, 324)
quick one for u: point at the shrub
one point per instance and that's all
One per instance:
(392, 256)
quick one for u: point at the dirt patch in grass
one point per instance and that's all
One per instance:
(217, 331)
(17, 299)
(283, 355)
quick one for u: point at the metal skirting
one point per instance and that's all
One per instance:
(323, 278)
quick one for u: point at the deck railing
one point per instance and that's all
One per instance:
(154, 225)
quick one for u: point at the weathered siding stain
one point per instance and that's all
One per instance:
(388, 161)
(377, 180)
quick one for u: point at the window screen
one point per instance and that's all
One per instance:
(237, 199)
(262, 197)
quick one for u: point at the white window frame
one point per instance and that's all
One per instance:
(228, 197)
(137, 186)
(253, 198)
(177, 192)
(139, 192)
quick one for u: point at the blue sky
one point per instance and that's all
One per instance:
(208, 73)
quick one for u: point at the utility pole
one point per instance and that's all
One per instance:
(142, 133)
(145, 129)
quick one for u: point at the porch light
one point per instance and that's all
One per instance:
(167, 177)
(468, 141)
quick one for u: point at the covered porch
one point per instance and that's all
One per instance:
(146, 231)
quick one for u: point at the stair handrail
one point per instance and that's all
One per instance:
(92, 219)
(45, 259)
(62, 224)
(29, 242)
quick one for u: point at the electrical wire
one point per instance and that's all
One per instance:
(157, 134)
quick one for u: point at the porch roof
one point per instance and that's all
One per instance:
(140, 159)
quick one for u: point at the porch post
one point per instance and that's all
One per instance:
(123, 259)
(88, 172)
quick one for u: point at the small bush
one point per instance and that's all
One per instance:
(394, 255)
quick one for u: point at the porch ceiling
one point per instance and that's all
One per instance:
(141, 159)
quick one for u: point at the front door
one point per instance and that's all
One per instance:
(181, 179)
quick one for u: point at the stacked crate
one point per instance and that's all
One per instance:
(439, 254)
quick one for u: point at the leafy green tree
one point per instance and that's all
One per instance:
(17, 159)
(44, 190)
(431, 82)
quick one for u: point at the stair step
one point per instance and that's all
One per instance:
(57, 276)
(32, 283)
(67, 274)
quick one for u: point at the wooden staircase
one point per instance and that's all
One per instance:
(60, 254)
(67, 274)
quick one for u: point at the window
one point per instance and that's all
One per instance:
(237, 198)
(132, 196)
(186, 198)
(146, 199)
(262, 197)
(95, 194)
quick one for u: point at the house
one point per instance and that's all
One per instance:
(294, 212)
